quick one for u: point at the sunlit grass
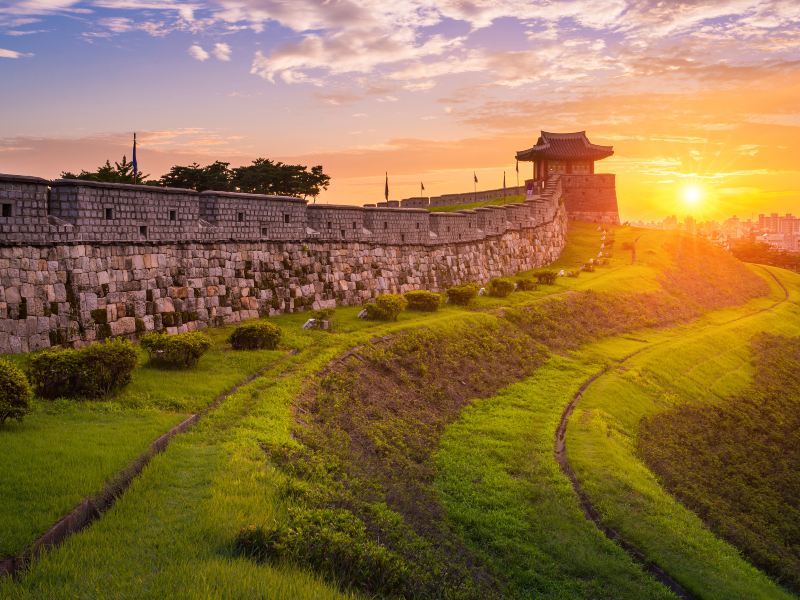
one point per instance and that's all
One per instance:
(515, 199)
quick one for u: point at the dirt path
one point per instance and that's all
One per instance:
(589, 509)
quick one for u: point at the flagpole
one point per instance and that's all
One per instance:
(135, 164)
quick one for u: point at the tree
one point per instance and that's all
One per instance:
(267, 177)
(262, 176)
(119, 173)
(216, 176)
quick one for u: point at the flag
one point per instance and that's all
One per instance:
(135, 164)
(421, 186)
(386, 188)
(475, 177)
(517, 167)
(504, 180)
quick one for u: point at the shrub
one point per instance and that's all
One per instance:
(423, 300)
(177, 351)
(334, 542)
(501, 287)
(90, 372)
(15, 393)
(387, 307)
(462, 294)
(526, 284)
(253, 336)
(546, 277)
(588, 267)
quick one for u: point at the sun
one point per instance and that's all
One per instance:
(692, 194)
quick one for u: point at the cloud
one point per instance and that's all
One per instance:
(5, 53)
(197, 52)
(222, 52)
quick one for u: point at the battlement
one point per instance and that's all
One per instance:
(63, 211)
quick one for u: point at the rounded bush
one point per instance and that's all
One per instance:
(501, 287)
(546, 277)
(254, 336)
(15, 393)
(175, 351)
(90, 372)
(423, 300)
(387, 307)
(526, 284)
(463, 293)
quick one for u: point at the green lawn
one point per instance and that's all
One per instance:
(707, 361)
(67, 450)
(470, 205)
(506, 496)
(62, 453)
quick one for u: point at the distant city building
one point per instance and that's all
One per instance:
(780, 232)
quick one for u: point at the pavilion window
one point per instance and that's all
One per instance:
(173, 215)
(109, 213)
(240, 217)
(7, 211)
(286, 217)
(143, 230)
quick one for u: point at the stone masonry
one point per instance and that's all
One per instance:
(84, 261)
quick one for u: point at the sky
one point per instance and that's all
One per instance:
(699, 94)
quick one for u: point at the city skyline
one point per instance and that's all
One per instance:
(691, 94)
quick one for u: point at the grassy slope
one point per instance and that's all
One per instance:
(707, 361)
(735, 462)
(502, 487)
(470, 205)
(65, 451)
(495, 468)
(506, 496)
(171, 533)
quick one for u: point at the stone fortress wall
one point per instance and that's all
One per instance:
(589, 197)
(81, 261)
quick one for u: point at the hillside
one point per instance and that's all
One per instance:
(415, 458)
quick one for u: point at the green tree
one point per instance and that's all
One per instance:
(216, 176)
(120, 172)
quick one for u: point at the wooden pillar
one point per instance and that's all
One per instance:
(591, 169)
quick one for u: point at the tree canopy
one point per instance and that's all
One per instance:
(121, 172)
(263, 176)
(759, 252)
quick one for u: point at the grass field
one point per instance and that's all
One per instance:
(470, 205)
(704, 364)
(735, 462)
(172, 533)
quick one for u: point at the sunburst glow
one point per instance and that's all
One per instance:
(692, 194)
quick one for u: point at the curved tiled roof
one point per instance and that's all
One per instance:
(565, 146)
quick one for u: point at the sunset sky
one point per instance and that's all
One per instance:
(688, 93)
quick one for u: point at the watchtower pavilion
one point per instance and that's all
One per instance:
(571, 156)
